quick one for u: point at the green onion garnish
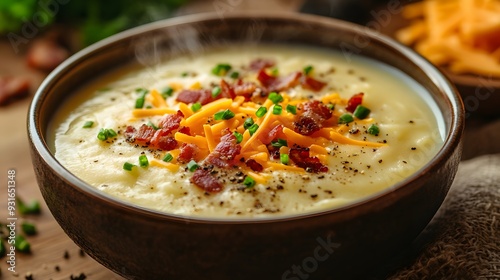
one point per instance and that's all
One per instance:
(253, 128)
(224, 115)
(32, 208)
(28, 228)
(22, 244)
(166, 92)
(373, 129)
(279, 143)
(275, 72)
(275, 97)
(128, 166)
(196, 106)
(221, 69)
(239, 137)
(346, 118)
(88, 124)
(192, 166)
(248, 123)
(308, 69)
(291, 109)
(261, 112)
(168, 157)
(277, 109)
(330, 106)
(216, 91)
(234, 75)
(105, 133)
(139, 102)
(284, 159)
(143, 161)
(184, 74)
(249, 182)
(152, 125)
(361, 112)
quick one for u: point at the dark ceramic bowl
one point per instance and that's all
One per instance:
(143, 244)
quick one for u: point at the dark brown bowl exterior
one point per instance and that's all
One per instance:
(341, 243)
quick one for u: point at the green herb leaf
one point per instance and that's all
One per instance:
(224, 115)
(239, 137)
(249, 181)
(284, 158)
(277, 109)
(261, 112)
(279, 143)
(168, 157)
(275, 97)
(361, 112)
(88, 124)
(196, 107)
(221, 69)
(248, 123)
(167, 92)
(216, 91)
(308, 70)
(192, 166)
(143, 161)
(346, 118)
(291, 109)
(374, 130)
(28, 228)
(128, 166)
(253, 128)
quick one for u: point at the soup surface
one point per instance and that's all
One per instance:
(248, 131)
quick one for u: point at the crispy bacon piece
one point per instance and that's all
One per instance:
(244, 88)
(272, 83)
(312, 84)
(227, 90)
(46, 55)
(170, 122)
(314, 114)
(185, 130)
(225, 152)
(163, 140)
(300, 156)
(203, 96)
(143, 135)
(354, 101)
(12, 88)
(254, 165)
(273, 134)
(261, 63)
(187, 152)
(203, 179)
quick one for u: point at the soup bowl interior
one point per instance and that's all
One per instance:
(139, 243)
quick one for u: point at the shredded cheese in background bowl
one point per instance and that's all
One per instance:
(249, 131)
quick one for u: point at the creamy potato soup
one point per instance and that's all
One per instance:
(243, 131)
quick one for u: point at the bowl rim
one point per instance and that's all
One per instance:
(451, 141)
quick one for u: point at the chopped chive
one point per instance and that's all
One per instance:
(275, 72)
(221, 69)
(111, 133)
(149, 107)
(284, 159)
(168, 157)
(261, 112)
(102, 135)
(249, 181)
(88, 124)
(330, 106)
(224, 115)
(32, 208)
(291, 109)
(373, 129)
(279, 143)
(234, 75)
(308, 69)
(141, 91)
(196, 107)
(216, 91)
(28, 228)
(346, 118)
(21, 244)
(143, 161)
(253, 128)
(239, 137)
(152, 125)
(247, 123)
(184, 74)
(277, 109)
(275, 97)
(139, 102)
(361, 112)
(192, 166)
(128, 166)
(3, 250)
(167, 92)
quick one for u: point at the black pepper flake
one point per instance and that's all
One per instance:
(280, 187)
(379, 161)
(57, 268)
(66, 255)
(411, 121)
(405, 162)
(328, 191)
(82, 276)
(28, 276)
(413, 148)
(314, 195)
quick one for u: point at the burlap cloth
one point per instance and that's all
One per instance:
(463, 239)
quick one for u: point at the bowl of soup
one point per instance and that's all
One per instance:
(254, 146)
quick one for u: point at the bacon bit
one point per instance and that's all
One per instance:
(163, 140)
(170, 122)
(185, 130)
(312, 84)
(227, 91)
(278, 83)
(244, 88)
(273, 134)
(203, 179)
(314, 114)
(261, 63)
(354, 101)
(225, 152)
(203, 96)
(300, 156)
(46, 55)
(12, 88)
(187, 152)
(143, 135)
(274, 152)
(254, 165)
